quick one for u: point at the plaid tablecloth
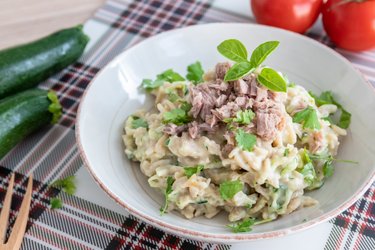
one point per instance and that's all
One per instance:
(84, 223)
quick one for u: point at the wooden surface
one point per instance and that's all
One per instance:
(26, 20)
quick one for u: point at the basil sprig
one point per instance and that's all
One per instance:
(236, 51)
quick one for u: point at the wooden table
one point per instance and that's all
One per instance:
(26, 20)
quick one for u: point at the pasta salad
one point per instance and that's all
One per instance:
(239, 138)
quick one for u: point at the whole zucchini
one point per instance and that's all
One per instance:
(25, 66)
(25, 112)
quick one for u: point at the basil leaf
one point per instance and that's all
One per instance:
(242, 226)
(186, 106)
(167, 192)
(195, 73)
(245, 141)
(189, 171)
(308, 118)
(270, 79)
(228, 189)
(233, 50)
(237, 71)
(261, 52)
(177, 116)
(139, 123)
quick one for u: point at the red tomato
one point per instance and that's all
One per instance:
(350, 24)
(294, 15)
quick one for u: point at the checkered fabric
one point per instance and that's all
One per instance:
(51, 153)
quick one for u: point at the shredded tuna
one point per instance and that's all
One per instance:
(173, 129)
(241, 87)
(221, 69)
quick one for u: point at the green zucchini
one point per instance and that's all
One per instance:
(25, 112)
(25, 66)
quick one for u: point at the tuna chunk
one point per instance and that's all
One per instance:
(267, 125)
(221, 69)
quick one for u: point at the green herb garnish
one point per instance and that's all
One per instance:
(177, 116)
(228, 189)
(242, 226)
(244, 117)
(245, 141)
(68, 185)
(308, 118)
(272, 80)
(326, 97)
(189, 171)
(139, 123)
(236, 51)
(286, 152)
(195, 73)
(167, 192)
(166, 76)
(56, 203)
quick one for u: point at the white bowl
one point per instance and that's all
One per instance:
(114, 94)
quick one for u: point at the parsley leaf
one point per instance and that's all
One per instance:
(245, 141)
(189, 171)
(286, 152)
(56, 203)
(328, 169)
(242, 226)
(228, 189)
(177, 116)
(326, 97)
(167, 192)
(308, 170)
(185, 106)
(170, 76)
(308, 118)
(149, 84)
(139, 123)
(195, 73)
(244, 117)
(166, 76)
(68, 185)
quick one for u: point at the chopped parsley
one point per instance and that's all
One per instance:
(242, 117)
(167, 192)
(166, 76)
(245, 141)
(286, 152)
(68, 185)
(327, 98)
(228, 189)
(242, 226)
(189, 171)
(308, 170)
(56, 203)
(185, 106)
(308, 118)
(177, 116)
(139, 123)
(195, 73)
